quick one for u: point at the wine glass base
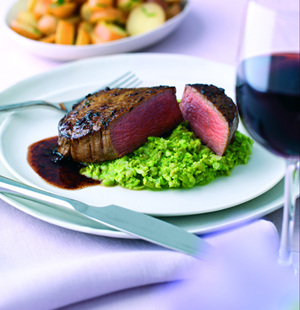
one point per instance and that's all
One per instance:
(284, 263)
(285, 257)
(296, 258)
(293, 260)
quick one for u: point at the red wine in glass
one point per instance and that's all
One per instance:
(267, 93)
(268, 98)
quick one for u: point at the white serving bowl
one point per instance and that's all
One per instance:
(71, 52)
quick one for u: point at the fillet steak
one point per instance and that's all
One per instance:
(113, 122)
(212, 115)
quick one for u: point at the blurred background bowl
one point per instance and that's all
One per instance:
(72, 52)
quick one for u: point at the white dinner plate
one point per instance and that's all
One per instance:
(71, 52)
(23, 128)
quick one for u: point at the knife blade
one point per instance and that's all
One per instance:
(138, 224)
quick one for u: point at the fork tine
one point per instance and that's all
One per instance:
(118, 79)
(135, 83)
(125, 80)
(66, 106)
(138, 84)
(122, 83)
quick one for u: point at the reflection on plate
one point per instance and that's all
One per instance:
(71, 52)
(22, 128)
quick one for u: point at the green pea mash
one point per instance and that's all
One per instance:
(178, 161)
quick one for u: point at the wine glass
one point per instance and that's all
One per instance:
(268, 92)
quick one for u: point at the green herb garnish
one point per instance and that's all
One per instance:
(148, 14)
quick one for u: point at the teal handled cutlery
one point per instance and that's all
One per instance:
(131, 222)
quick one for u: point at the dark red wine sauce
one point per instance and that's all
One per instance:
(44, 159)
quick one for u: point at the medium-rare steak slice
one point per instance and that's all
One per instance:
(212, 115)
(114, 122)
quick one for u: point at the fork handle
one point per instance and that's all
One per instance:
(27, 104)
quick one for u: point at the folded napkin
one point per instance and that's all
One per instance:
(43, 266)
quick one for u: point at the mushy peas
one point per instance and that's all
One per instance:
(177, 161)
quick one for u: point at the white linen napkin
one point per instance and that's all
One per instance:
(46, 267)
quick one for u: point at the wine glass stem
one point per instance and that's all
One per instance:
(290, 183)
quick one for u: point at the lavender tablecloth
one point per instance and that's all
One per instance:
(37, 269)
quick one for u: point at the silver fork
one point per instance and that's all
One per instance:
(128, 79)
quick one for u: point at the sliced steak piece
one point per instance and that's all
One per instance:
(212, 115)
(114, 122)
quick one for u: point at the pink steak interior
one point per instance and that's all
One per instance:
(205, 120)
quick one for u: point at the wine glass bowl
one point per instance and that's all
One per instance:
(268, 92)
(269, 103)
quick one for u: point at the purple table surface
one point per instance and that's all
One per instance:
(211, 31)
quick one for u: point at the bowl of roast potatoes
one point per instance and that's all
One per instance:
(72, 29)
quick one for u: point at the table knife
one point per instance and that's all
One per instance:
(138, 224)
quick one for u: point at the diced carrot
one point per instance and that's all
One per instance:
(86, 12)
(96, 4)
(49, 39)
(109, 14)
(47, 24)
(88, 27)
(41, 8)
(65, 33)
(28, 18)
(105, 32)
(127, 5)
(83, 37)
(64, 10)
(76, 19)
(31, 4)
(25, 30)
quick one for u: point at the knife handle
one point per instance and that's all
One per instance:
(132, 222)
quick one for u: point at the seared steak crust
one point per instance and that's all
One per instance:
(114, 122)
(212, 115)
